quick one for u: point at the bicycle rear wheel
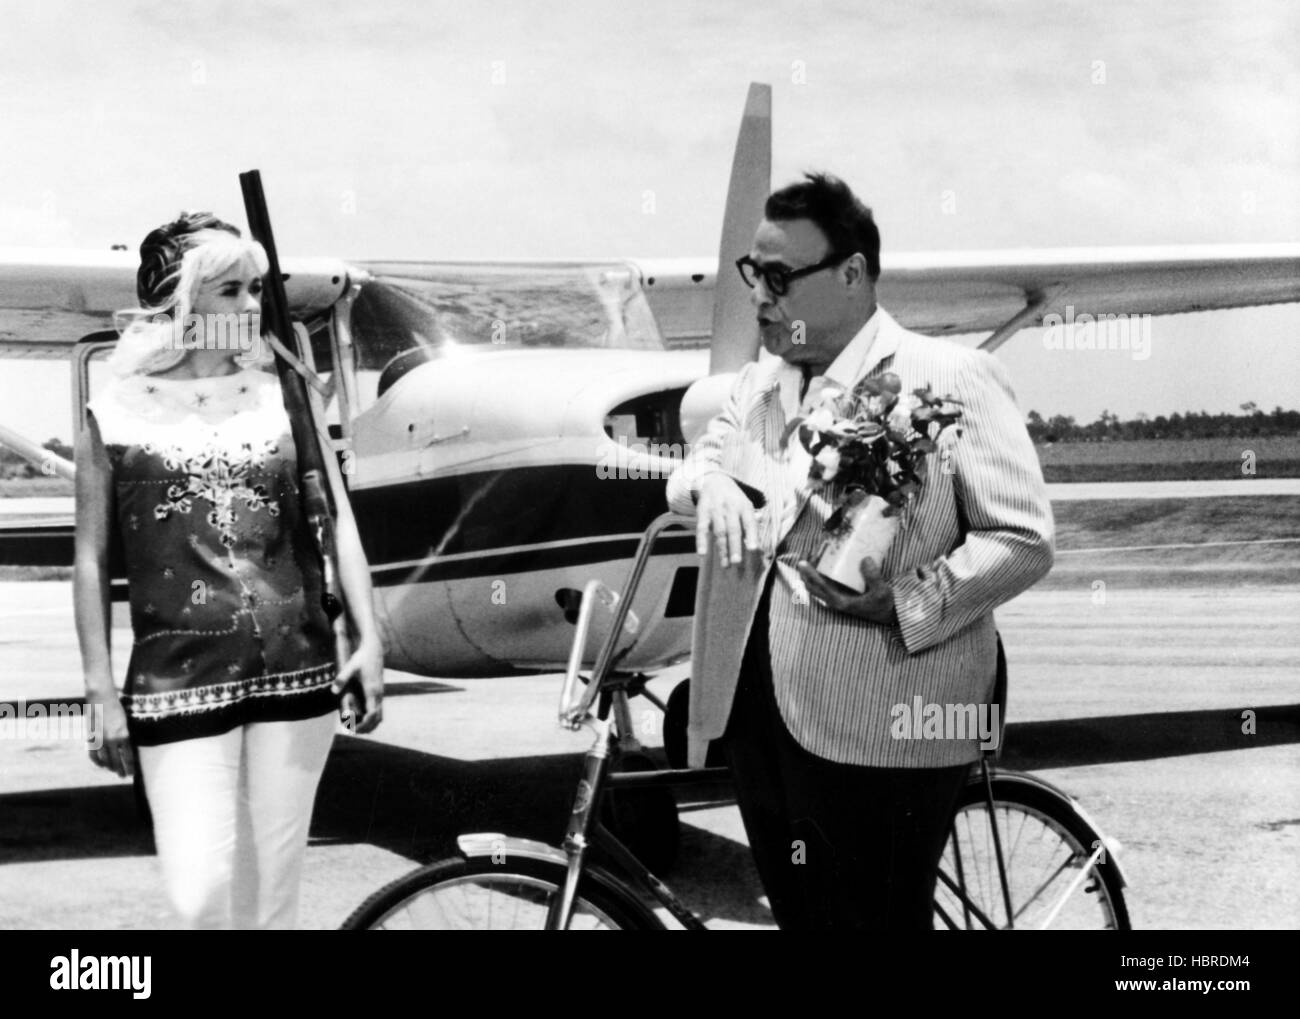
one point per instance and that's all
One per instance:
(478, 894)
(1046, 846)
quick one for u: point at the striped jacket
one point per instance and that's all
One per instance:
(979, 533)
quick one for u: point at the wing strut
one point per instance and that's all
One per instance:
(1035, 302)
(47, 460)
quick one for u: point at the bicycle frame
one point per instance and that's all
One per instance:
(585, 831)
(623, 897)
(635, 882)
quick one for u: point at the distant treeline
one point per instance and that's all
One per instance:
(14, 466)
(1192, 425)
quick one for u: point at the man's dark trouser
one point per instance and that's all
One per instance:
(836, 845)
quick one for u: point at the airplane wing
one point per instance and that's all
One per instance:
(945, 293)
(50, 298)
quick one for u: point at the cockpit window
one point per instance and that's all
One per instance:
(438, 308)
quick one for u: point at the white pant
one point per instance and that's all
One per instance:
(230, 819)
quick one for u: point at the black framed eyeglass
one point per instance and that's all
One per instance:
(777, 278)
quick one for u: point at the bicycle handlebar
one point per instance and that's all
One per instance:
(571, 714)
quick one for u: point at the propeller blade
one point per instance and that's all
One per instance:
(735, 331)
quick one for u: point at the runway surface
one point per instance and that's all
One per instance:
(1132, 702)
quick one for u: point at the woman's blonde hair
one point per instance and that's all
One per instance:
(175, 260)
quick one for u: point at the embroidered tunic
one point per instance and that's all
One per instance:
(225, 587)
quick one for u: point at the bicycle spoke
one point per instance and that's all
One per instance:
(1049, 872)
(1034, 896)
(966, 903)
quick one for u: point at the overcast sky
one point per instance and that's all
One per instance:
(441, 130)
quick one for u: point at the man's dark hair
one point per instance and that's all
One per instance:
(832, 205)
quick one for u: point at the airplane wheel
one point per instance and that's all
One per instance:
(645, 820)
(675, 718)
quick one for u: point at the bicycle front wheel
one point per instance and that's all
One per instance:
(480, 895)
(1046, 849)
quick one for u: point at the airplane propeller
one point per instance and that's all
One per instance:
(735, 331)
(734, 340)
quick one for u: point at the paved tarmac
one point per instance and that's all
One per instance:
(1132, 701)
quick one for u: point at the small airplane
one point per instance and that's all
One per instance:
(506, 428)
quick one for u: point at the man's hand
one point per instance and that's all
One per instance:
(726, 511)
(876, 603)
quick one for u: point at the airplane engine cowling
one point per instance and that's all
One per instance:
(703, 401)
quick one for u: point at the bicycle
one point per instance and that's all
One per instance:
(1021, 854)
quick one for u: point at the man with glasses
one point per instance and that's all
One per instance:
(847, 816)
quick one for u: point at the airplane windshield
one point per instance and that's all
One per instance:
(499, 307)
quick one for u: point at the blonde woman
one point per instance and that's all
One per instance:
(229, 707)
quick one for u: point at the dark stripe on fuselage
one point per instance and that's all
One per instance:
(36, 546)
(527, 561)
(412, 522)
(478, 513)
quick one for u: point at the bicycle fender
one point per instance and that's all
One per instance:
(1112, 845)
(477, 844)
(500, 847)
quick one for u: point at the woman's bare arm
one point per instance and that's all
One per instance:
(110, 745)
(354, 576)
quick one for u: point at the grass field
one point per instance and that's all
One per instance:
(35, 573)
(34, 488)
(1107, 523)
(1140, 460)
(1172, 459)
(1173, 543)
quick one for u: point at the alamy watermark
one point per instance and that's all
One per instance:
(640, 461)
(1098, 332)
(43, 721)
(224, 331)
(77, 972)
(920, 720)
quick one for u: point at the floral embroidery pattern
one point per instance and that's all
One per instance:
(221, 479)
(151, 707)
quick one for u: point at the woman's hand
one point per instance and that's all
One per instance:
(367, 666)
(107, 735)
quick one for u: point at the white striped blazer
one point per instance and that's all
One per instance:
(979, 533)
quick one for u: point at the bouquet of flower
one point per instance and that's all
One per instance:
(870, 442)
